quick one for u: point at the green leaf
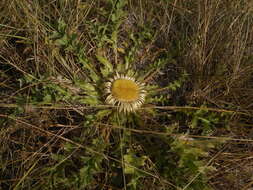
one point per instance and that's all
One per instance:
(85, 176)
(86, 65)
(120, 67)
(105, 62)
(58, 157)
(133, 160)
(90, 101)
(61, 26)
(86, 86)
(62, 41)
(105, 71)
(47, 99)
(103, 113)
(69, 147)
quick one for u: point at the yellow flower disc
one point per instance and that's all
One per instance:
(125, 90)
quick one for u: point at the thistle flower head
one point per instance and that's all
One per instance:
(125, 92)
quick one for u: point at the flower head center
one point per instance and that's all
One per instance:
(125, 90)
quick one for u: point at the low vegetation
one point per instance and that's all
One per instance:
(184, 122)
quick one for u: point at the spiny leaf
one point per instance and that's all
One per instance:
(86, 86)
(90, 101)
(86, 65)
(105, 62)
(134, 160)
(103, 113)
